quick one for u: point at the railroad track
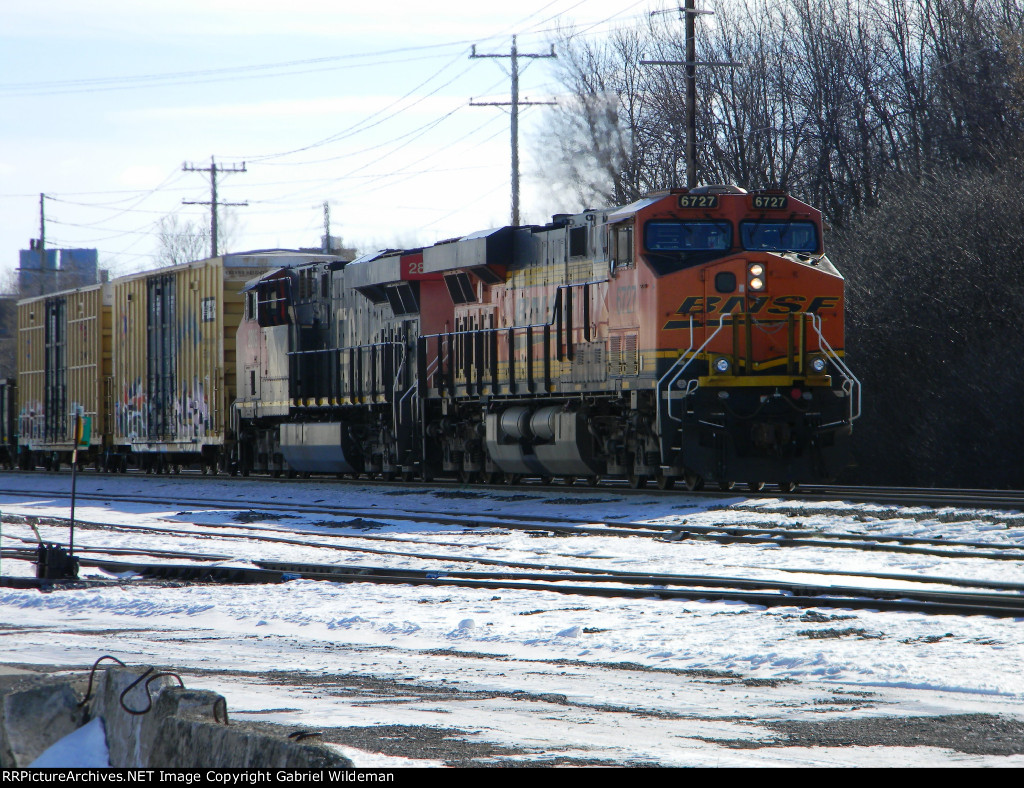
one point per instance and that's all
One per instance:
(899, 496)
(996, 598)
(574, 581)
(753, 534)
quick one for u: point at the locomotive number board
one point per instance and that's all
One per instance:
(770, 202)
(698, 201)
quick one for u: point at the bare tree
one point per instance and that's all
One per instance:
(834, 95)
(181, 240)
(184, 241)
(591, 145)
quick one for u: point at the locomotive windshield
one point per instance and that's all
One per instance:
(699, 236)
(779, 236)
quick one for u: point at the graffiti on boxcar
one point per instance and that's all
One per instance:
(130, 410)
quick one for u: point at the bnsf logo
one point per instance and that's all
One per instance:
(755, 305)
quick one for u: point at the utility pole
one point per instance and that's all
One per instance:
(213, 169)
(42, 228)
(44, 281)
(44, 286)
(690, 13)
(514, 105)
(327, 227)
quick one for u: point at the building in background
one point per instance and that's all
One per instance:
(39, 273)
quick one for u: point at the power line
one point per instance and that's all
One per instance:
(361, 126)
(204, 76)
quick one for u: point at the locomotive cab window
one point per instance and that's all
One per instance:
(776, 236)
(673, 245)
(702, 236)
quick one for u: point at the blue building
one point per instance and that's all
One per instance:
(39, 274)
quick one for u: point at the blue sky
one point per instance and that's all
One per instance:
(366, 107)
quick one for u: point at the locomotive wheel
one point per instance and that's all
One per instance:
(493, 477)
(276, 473)
(292, 473)
(692, 481)
(665, 482)
(787, 486)
(592, 481)
(546, 480)
(569, 481)
(387, 476)
(755, 486)
(636, 481)
(407, 476)
(467, 477)
(512, 478)
(726, 486)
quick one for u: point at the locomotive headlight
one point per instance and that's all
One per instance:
(757, 283)
(722, 365)
(818, 364)
(756, 269)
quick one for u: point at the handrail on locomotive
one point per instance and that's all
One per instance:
(851, 385)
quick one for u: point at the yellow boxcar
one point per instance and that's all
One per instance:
(174, 361)
(64, 369)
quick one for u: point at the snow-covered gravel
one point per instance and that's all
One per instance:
(471, 676)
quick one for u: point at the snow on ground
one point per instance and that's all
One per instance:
(490, 645)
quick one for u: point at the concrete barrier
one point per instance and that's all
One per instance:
(153, 724)
(35, 712)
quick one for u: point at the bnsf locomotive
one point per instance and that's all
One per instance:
(694, 335)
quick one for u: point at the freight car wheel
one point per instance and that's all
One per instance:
(726, 486)
(664, 482)
(787, 486)
(512, 478)
(636, 481)
(408, 475)
(692, 481)
(493, 477)
(569, 481)
(467, 477)
(755, 486)
(593, 481)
